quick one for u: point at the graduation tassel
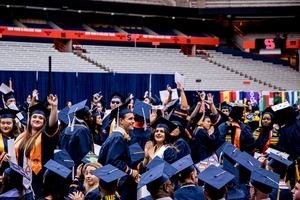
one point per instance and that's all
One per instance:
(297, 176)
(73, 121)
(259, 120)
(118, 117)
(145, 126)
(278, 193)
(73, 173)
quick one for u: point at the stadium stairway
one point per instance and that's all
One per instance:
(277, 76)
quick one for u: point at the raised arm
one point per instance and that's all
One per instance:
(193, 117)
(183, 102)
(53, 101)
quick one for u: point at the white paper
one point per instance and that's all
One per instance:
(164, 94)
(57, 150)
(5, 89)
(11, 150)
(280, 106)
(97, 149)
(159, 107)
(256, 155)
(107, 112)
(179, 78)
(143, 192)
(279, 153)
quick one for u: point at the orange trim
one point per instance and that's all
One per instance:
(127, 169)
(48, 197)
(237, 135)
(180, 113)
(73, 185)
(2, 155)
(138, 167)
(53, 134)
(138, 125)
(217, 120)
(24, 127)
(188, 133)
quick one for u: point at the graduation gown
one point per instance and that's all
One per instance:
(190, 193)
(183, 147)
(14, 195)
(226, 132)
(115, 151)
(46, 142)
(289, 139)
(4, 147)
(77, 142)
(139, 135)
(204, 145)
(265, 137)
(93, 195)
(285, 192)
(76, 186)
(100, 139)
(216, 120)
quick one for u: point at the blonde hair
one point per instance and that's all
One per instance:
(87, 187)
(28, 141)
(15, 130)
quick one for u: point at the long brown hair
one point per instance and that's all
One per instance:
(15, 130)
(28, 141)
(168, 139)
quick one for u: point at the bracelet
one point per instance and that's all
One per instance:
(199, 102)
(76, 177)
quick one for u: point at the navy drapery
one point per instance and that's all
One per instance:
(160, 81)
(23, 83)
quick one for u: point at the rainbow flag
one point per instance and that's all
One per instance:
(225, 96)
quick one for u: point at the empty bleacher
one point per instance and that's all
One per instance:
(8, 23)
(274, 74)
(23, 56)
(167, 61)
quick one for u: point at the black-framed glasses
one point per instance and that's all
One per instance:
(115, 102)
(172, 184)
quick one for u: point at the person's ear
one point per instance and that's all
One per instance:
(121, 121)
(225, 191)
(166, 188)
(205, 193)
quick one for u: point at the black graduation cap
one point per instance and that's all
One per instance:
(223, 105)
(162, 122)
(39, 109)
(121, 110)
(103, 103)
(8, 113)
(177, 119)
(117, 95)
(285, 114)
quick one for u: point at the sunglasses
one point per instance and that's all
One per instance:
(115, 102)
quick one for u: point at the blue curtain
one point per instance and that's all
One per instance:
(160, 81)
(23, 83)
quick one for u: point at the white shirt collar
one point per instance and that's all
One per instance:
(121, 130)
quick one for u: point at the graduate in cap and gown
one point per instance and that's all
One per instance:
(7, 95)
(98, 134)
(77, 138)
(262, 182)
(141, 133)
(279, 166)
(115, 150)
(8, 130)
(179, 135)
(36, 146)
(240, 135)
(56, 181)
(187, 173)
(157, 181)
(12, 187)
(267, 134)
(109, 177)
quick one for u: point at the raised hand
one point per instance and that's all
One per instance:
(35, 94)
(169, 89)
(53, 101)
(153, 115)
(210, 99)
(179, 87)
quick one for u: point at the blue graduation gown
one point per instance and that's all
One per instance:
(77, 143)
(245, 190)
(115, 151)
(204, 145)
(48, 144)
(289, 139)
(140, 136)
(190, 193)
(216, 120)
(93, 195)
(76, 186)
(183, 147)
(14, 195)
(285, 194)
(100, 139)
(247, 141)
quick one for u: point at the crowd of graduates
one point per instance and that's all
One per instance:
(147, 149)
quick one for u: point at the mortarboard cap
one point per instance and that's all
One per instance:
(108, 176)
(157, 176)
(45, 101)
(156, 100)
(64, 158)
(95, 113)
(90, 157)
(278, 163)
(171, 105)
(57, 168)
(8, 113)
(184, 166)
(285, 114)
(142, 109)
(177, 119)
(81, 106)
(232, 170)
(264, 180)
(136, 153)
(63, 117)
(223, 105)
(205, 163)
(39, 109)
(247, 161)
(155, 162)
(106, 121)
(231, 152)
(161, 122)
(215, 176)
(225, 117)
(117, 95)
(16, 172)
(7, 92)
(103, 103)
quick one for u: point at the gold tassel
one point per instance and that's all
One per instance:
(278, 193)
(199, 122)
(297, 176)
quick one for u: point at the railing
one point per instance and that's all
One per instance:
(238, 31)
(76, 46)
(202, 51)
(185, 50)
(60, 46)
